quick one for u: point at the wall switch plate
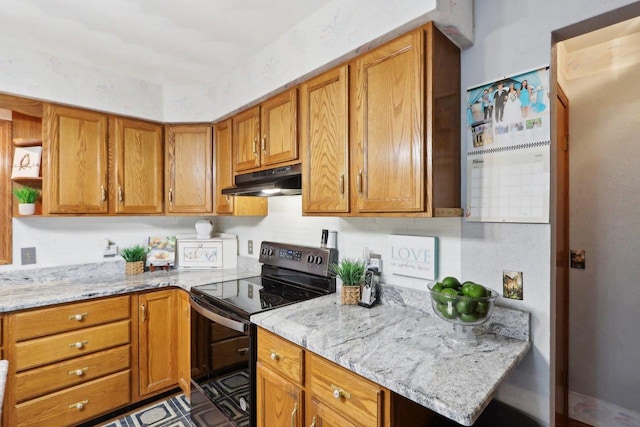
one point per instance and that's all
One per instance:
(28, 255)
(250, 247)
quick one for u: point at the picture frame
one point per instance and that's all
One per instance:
(26, 162)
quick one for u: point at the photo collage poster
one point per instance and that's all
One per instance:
(508, 149)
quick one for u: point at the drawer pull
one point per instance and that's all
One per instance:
(79, 405)
(293, 415)
(79, 317)
(338, 392)
(79, 372)
(78, 344)
(143, 317)
(243, 350)
(275, 356)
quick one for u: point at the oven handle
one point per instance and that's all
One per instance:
(212, 314)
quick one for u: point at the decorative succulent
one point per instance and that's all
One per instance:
(134, 253)
(350, 271)
(26, 194)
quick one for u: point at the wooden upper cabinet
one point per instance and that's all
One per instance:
(387, 127)
(224, 168)
(246, 140)
(266, 135)
(405, 127)
(278, 120)
(137, 172)
(75, 150)
(189, 169)
(324, 142)
(226, 204)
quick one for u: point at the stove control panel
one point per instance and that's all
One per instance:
(300, 258)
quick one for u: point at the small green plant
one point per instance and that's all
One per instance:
(133, 253)
(350, 271)
(26, 194)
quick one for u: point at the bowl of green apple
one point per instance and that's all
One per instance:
(464, 305)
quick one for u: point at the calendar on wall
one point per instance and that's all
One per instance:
(508, 149)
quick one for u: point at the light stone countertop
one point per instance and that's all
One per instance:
(25, 289)
(402, 345)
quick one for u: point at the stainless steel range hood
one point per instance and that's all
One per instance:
(283, 181)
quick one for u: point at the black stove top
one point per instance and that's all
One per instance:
(290, 273)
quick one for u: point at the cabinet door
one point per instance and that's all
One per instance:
(184, 342)
(387, 127)
(157, 337)
(189, 170)
(224, 167)
(324, 139)
(137, 166)
(279, 126)
(322, 416)
(279, 402)
(246, 144)
(75, 144)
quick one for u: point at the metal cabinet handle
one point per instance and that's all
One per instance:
(359, 181)
(144, 313)
(120, 195)
(313, 422)
(171, 195)
(103, 193)
(79, 372)
(79, 405)
(79, 317)
(341, 184)
(264, 143)
(338, 392)
(79, 344)
(293, 415)
(255, 146)
(243, 350)
(275, 356)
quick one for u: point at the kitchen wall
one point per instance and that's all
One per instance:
(286, 223)
(605, 222)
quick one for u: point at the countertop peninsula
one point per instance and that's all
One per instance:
(403, 346)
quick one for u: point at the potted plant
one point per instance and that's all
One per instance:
(27, 197)
(351, 272)
(134, 257)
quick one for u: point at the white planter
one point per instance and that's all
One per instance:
(26, 208)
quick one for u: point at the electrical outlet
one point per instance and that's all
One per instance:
(28, 255)
(250, 247)
(375, 263)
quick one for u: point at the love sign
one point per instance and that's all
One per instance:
(413, 256)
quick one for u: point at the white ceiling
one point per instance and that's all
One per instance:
(167, 42)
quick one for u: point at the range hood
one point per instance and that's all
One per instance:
(283, 181)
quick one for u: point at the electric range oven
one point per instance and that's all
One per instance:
(223, 339)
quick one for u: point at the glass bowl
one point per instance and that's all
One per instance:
(463, 312)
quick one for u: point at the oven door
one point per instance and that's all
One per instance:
(222, 366)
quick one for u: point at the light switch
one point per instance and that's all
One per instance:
(28, 255)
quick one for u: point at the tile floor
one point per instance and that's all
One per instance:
(173, 412)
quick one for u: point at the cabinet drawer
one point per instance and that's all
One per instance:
(229, 352)
(40, 351)
(40, 381)
(77, 404)
(38, 323)
(345, 392)
(281, 356)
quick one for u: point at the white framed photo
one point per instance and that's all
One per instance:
(414, 256)
(26, 162)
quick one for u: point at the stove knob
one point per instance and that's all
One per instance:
(318, 260)
(310, 258)
(270, 251)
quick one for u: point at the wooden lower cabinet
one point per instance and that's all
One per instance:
(295, 386)
(157, 338)
(68, 364)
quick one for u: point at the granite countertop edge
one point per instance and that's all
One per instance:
(28, 289)
(404, 349)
